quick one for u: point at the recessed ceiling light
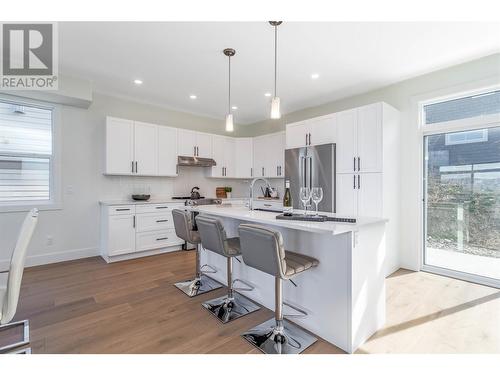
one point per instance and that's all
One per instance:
(234, 108)
(315, 76)
(192, 96)
(267, 94)
(138, 81)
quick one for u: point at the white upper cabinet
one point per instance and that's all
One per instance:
(145, 149)
(275, 166)
(191, 143)
(323, 130)
(204, 145)
(243, 157)
(167, 151)
(297, 134)
(224, 155)
(119, 146)
(312, 132)
(269, 154)
(346, 149)
(359, 139)
(186, 145)
(140, 149)
(370, 138)
(260, 151)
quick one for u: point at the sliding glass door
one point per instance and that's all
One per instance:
(462, 204)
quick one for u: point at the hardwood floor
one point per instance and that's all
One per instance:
(88, 306)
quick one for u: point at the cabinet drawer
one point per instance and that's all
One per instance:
(121, 210)
(157, 208)
(157, 239)
(156, 221)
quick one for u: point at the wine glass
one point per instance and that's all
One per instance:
(317, 196)
(305, 196)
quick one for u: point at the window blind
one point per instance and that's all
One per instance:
(25, 152)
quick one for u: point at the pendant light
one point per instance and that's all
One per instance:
(229, 52)
(275, 102)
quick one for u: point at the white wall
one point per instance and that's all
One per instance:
(75, 228)
(401, 96)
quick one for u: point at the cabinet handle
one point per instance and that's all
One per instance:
(354, 167)
(132, 166)
(194, 150)
(267, 205)
(359, 163)
(161, 207)
(262, 171)
(134, 222)
(162, 221)
(354, 177)
(162, 238)
(251, 172)
(309, 139)
(123, 209)
(136, 169)
(359, 182)
(197, 151)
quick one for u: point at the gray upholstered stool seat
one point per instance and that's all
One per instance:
(214, 238)
(184, 230)
(297, 263)
(262, 248)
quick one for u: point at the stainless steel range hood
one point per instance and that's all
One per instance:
(195, 161)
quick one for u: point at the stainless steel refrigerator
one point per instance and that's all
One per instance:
(312, 166)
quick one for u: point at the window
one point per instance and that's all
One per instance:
(471, 136)
(462, 108)
(26, 154)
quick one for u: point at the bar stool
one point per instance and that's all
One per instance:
(184, 230)
(214, 238)
(262, 248)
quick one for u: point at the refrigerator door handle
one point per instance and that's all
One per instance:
(310, 172)
(303, 170)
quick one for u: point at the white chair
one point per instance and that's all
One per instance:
(10, 282)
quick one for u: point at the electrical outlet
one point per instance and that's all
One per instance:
(49, 241)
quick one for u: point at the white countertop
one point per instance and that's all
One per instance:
(241, 212)
(119, 202)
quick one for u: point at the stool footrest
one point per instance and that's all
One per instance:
(302, 313)
(209, 267)
(249, 289)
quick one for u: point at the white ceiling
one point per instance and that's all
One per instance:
(178, 59)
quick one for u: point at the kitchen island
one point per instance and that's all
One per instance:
(344, 296)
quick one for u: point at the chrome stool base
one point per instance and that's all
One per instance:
(293, 340)
(196, 287)
(226, 310)
(26, 335)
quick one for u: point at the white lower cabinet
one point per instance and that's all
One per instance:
(121, 234)
(129, 231)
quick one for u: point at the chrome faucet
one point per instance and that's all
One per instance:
(250, 203)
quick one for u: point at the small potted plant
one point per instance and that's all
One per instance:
(228, 190)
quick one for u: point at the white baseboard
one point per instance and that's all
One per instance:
(37, 260)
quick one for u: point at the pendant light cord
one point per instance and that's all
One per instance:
(229, 99)
(275, 56)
